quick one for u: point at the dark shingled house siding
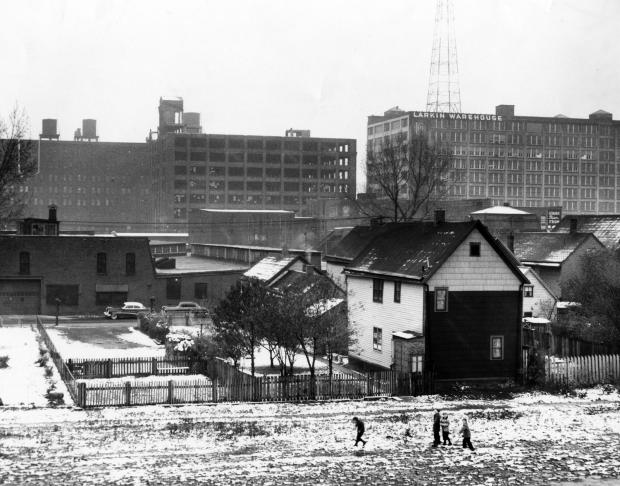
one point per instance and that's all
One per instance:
(460, 338)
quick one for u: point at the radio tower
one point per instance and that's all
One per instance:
(444, 93)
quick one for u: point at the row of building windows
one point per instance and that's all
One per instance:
(201, 172)
(259, 186)
(102, 263)
(534, 166)
(261, 144)
(260, 158)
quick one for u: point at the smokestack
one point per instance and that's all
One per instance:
(52, 213)
(440, 216)
(573, 225)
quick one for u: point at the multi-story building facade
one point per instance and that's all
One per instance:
(193, 171)
(526, 161)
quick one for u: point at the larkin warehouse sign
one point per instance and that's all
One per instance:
(456, 116)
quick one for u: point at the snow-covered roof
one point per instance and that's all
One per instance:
(267, 211)
(536, 320)
(269, 267)
(323, 306)
(500, 210)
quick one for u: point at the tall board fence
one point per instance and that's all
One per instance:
(584, 370)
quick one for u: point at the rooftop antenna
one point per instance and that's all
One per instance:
(444, 94)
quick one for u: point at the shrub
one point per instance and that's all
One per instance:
(154, 326)
(4, 362)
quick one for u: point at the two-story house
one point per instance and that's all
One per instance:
(439, 296)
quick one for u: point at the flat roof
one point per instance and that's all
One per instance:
(197, 264)
(247, 211)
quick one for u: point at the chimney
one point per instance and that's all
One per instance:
(511, 241)
(507, 204)
(52, 213)
(573, 225)
(440, 216)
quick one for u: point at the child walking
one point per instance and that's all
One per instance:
(360, 431)
(445, 429)
(466, 433)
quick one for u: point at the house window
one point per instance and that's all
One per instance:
(102, 264)
(24, 263)
(396, 291)
(497, 347)
(417, 362)
(474, 249)
(377, 338)
(441, 299)
(528, 291)
(377, 290)
(200, 290)
(130, 263)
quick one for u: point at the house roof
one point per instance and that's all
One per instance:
(547, 248)
(417, 250)
(605, 228)
(354, 242)
(196, 264)
(270, 267)
(333, 238)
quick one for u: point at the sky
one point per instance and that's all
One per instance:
(261, 67)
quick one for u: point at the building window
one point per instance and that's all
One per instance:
(130, 264)
(417, 363)
(474, 249)
(200, 290)
(528, 291)
(441, 299)
(173, 289)
(102, 264)
(377, 338)
(24, 263)
(396, 291)
(377, 290)
(497, 347)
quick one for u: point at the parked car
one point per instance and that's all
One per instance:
(185, 306)
(127, 311)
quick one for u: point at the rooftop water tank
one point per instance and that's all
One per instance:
(89, 128)
(49, 128)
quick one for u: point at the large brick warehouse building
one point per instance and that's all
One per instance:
(526, 161)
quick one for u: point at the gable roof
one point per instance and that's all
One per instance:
(529, 271)
(354, 242)
(416, 251)
(333, 238)
(605, 228)
(548, 248)
(506, 210)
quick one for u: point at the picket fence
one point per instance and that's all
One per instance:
(116, 367)
(584, 370)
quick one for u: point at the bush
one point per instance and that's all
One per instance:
(154, 326)
(4, 362)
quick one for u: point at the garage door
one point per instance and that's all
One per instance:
(20, 296)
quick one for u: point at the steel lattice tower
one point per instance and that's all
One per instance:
(444, 93)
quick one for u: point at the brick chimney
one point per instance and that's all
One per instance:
(440, 216)
(52, 213)
(573, 225)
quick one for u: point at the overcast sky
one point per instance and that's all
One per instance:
(260, 67)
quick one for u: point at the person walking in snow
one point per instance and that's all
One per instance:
(445, 428)
(436, 428)
(466, 433)
(360, 431)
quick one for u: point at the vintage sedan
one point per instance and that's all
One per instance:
(186, 306)
(129, 310)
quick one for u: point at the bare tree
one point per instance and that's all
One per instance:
(406, 174)
(17, 164)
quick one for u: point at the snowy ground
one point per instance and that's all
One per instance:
(534, 439)
(24, 383)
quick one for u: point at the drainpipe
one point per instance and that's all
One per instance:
(520, 336)
(425, 329)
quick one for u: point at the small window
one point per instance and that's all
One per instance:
(377, 338)
(24, 263)
(417, 363)
(377, 290)
(528, 314)
(102, 264)
(130, 263)
(397, 292)
(441, 299)
(200, 290)
(528, 291)
(474, 249)
(173, 288)
(497, 347)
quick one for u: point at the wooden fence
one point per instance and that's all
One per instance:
(65, 373)
(116, 367)
(584, 370)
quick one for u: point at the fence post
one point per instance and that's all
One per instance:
(214, 392)
(170, 391)
(154, 366)
(82, 395)
(108, 371)
(128, 393)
